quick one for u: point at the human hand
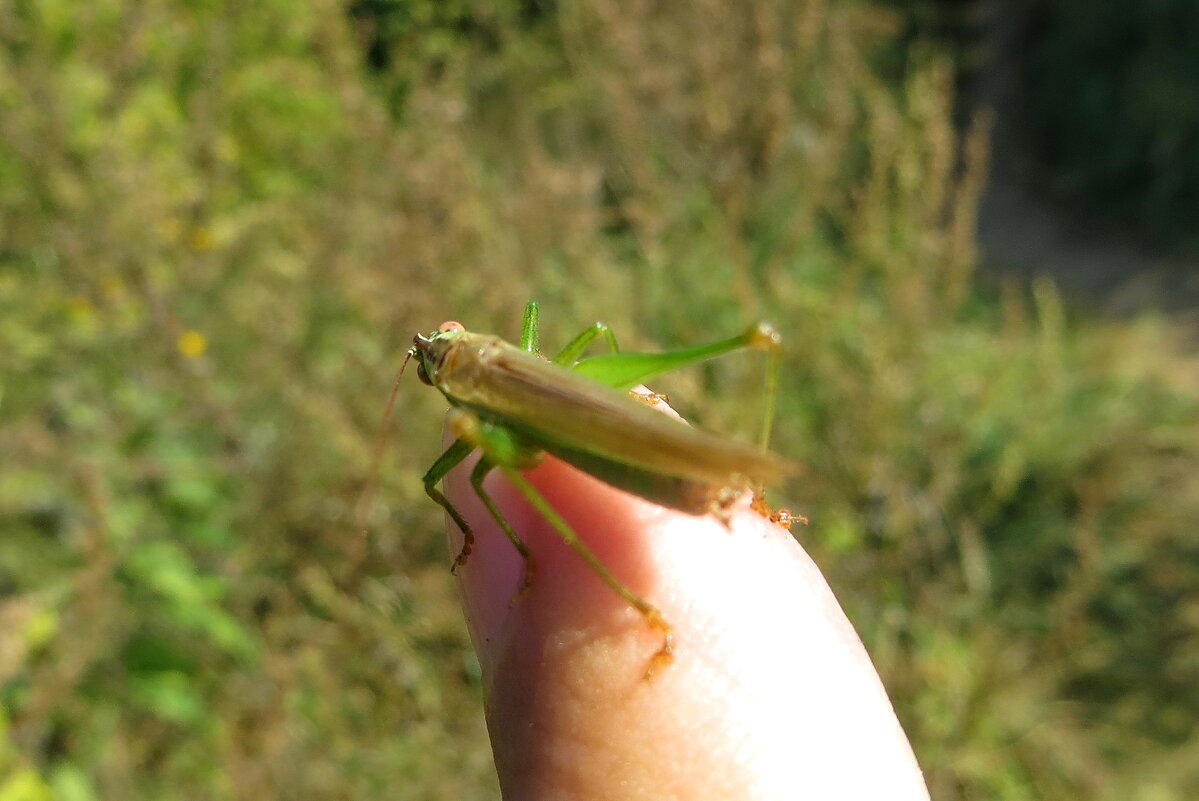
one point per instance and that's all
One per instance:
(770, 695)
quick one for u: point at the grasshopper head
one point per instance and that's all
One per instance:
(431, 350)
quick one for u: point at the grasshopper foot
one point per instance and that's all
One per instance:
(650, 398)
(782, 517)
(664, 656)
(787, 518)
(526, 581)
(468, 544)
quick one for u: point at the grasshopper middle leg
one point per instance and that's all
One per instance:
(665, 654)
(476, 480)
(503, 450)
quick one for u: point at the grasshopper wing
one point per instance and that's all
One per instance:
(552, 405)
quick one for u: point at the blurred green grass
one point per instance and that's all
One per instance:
(221, 225)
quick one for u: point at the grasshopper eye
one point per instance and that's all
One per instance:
(450, 326)
(422, 374)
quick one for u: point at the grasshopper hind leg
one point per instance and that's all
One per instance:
(574, 349)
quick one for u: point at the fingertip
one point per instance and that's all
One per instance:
(769, 693)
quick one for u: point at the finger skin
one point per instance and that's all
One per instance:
(770, 696)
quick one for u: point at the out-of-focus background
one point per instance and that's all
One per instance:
(222, 222)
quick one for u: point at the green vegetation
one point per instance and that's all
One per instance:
(221, 224)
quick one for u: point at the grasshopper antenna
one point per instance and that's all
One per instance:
(372, 486)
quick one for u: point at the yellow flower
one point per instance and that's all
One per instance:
(202, 239)
(192, 343)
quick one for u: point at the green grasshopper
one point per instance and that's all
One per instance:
(515, 406)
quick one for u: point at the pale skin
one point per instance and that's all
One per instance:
(770, 694)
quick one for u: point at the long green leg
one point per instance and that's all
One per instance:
(529, 337)
(445, 463)
(477, 475)
(503, 449)
(570, 354)
(773, 366)
(652, 616)
(528, 329)
(627, 370)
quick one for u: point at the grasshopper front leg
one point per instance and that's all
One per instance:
(452, 457)
(445, 463)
